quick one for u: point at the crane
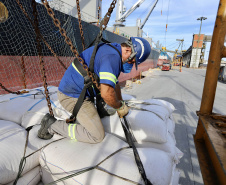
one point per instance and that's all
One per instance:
(149, 13)
(121, 15)
(127, 13)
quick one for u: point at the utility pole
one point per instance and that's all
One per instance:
(200, 18)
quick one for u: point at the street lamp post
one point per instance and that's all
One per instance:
(200, 18)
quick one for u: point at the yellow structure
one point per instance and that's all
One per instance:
(210, 139)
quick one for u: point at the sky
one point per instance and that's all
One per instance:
(180, 15)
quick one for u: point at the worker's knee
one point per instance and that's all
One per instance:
(99, 138)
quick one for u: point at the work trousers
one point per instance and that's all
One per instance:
(88, 127)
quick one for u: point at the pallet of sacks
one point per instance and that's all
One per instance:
(153, 131)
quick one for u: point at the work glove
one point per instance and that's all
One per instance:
(102, 108)
(123, 110)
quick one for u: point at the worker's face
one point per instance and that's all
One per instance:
(126, 52)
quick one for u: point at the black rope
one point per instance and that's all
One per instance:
(21, 168)
(98, 168)
(72, 175)
(23, 160)
(129, 139)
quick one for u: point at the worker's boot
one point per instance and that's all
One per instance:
(46, 122)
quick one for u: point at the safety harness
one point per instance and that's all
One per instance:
(88, 84)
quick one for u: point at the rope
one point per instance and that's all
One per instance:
(167, 21)
(23, 160)
(98, 168)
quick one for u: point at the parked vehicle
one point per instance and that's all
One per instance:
(222, 74)
(165, 66)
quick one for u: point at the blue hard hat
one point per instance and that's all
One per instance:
(142, 49)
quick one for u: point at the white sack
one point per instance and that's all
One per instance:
(175, 177)
(67, 157)
(146, 126)
(14, 109)
(158, 165)
(169, 146)
(36, 93)
(38, 111)
(39, 93)
(51, 89)
(171, 125)
(160, 111)
(128, 97)
(64, 157)
(163, 103)
(13, 138)
(32, 177)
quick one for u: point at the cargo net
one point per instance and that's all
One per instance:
(19, 61)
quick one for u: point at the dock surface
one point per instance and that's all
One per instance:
(184, 90)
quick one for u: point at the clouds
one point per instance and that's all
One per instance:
(182, 18)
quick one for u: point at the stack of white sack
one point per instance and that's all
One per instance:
(13, 137)
(12, 147)
(154, 139)
(66, 157)
(152, 125)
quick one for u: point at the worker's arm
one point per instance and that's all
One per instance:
(118, 91)
(108, 93)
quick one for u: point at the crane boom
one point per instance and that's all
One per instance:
(149, 13)
(127, 13)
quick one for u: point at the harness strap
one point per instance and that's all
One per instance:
(97, 41)
(87, 79)
(115, 49)
(87, 85)
(80, 99)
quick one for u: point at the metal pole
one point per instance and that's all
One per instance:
(181, 60)
(181, 64)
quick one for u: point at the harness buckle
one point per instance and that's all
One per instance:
(87, 81)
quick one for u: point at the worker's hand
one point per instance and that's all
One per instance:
(123, 110)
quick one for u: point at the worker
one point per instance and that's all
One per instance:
(110, 60)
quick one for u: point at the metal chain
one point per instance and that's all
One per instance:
(39, 49)
(23, 78)
(46, 43)
(68, 41)
(7, 90)
(98, 15)
(105, 20)
(23, 71)
(80, 24)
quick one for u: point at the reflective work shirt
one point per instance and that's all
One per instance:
(107, 66)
